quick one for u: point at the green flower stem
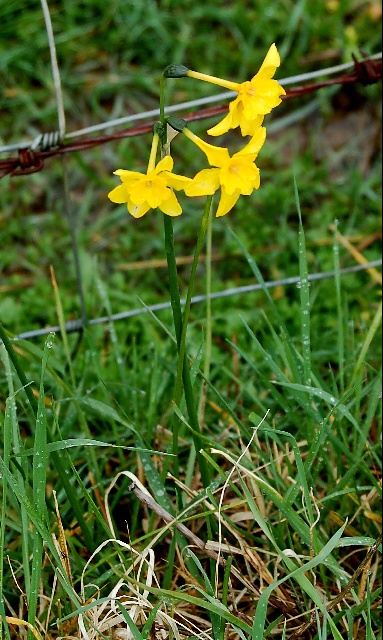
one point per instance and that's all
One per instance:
(162, 99)
(183, 378)
(186, 315)
(208, 322)
(183, 371)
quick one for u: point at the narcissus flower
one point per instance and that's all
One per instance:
(255, 99)
(235, 175)
(144, 191)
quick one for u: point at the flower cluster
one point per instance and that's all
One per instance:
(234, 175)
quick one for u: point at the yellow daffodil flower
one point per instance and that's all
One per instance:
(144, 191)
(236, 175)
(255, 99)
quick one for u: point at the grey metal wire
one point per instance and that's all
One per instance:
(77, 325)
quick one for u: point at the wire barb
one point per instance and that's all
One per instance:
(28, 162)
(31, 160)
(367, 71)
(45, 141)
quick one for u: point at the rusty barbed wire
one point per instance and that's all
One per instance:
(366, 71)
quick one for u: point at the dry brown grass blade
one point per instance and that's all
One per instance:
(357, 255)
(98, 496)
(23, 623)
(195, 540)
(62, 545)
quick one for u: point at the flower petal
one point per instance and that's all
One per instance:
(166, 164)
(236, 110)
(226, 202)
(128, 176)
(175, 181)
(152, 190)
(239, 175)
(217, 156)
(221, 127)
(253, 184)
(270, 63)
(254, 145)
(205, 183)
(119, 195)
(250, 127)
(138, 210)
(171, 206)
(266, 97)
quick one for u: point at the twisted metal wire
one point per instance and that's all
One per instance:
(190, 104)
(368, 70)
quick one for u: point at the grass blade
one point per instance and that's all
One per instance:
(305, 295)
(260, 614)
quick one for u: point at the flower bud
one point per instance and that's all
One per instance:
(158, 128)
(175, 71)
(176, 123)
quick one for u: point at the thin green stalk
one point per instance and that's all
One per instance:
(208, 322)
(186, 314)
(186, 378)
(183, 377)
(374, 326)
(7, 453)
(176, 311)
(305, 296)
(162, 99)
(40, 460)
(340, 324)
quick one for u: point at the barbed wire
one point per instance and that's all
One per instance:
(189, 104)
(77, 325)
(30, 160)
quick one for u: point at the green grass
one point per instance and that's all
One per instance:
(292, 415)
